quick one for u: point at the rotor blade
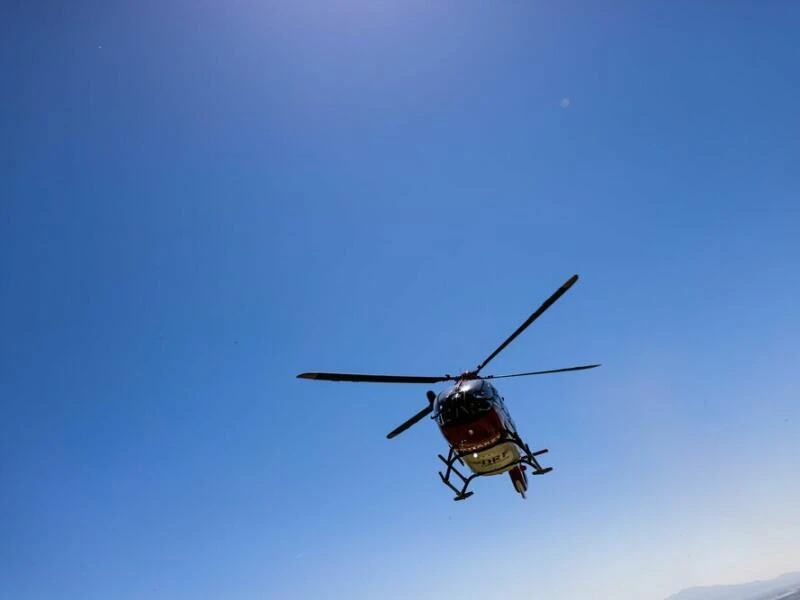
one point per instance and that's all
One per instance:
(547, 304)
(373, 378)
(424, 412)
(541, 372)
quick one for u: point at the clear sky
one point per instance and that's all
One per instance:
(201, 200)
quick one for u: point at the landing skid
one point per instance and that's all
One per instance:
(526, 458)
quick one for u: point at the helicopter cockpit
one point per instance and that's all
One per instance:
(465, 402)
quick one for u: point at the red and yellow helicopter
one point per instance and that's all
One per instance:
(473, 417)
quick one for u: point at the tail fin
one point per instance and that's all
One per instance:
(519, 479)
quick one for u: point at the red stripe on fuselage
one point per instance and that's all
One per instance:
(475, 435)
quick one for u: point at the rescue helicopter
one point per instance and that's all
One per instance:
(473, 418)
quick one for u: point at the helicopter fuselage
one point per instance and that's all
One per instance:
(474, 420)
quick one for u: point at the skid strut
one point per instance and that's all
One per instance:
(526, 458)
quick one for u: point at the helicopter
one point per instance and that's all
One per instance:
(473, 418)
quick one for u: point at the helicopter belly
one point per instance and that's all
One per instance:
(493, 461)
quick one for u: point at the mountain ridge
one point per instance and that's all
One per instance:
(771, 589)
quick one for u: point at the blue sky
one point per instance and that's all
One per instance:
(201, 200)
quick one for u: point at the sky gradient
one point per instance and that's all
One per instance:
(201, 200)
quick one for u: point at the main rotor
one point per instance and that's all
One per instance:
(465, 376)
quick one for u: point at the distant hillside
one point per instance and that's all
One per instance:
(785, 587)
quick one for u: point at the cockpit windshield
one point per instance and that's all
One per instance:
(464, 403)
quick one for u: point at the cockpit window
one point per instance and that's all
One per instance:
(465, 404)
